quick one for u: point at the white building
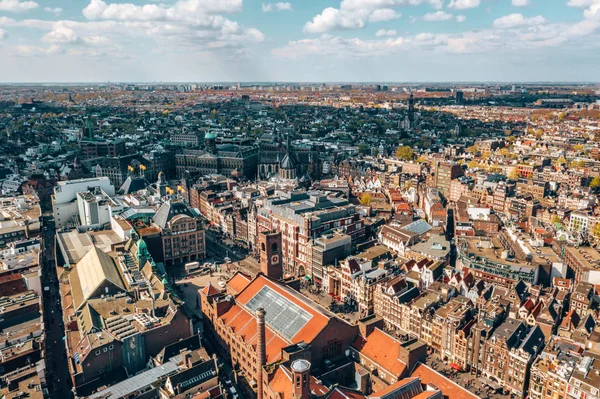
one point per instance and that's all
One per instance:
(578, 223)
(64, 200)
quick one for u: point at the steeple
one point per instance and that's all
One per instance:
(411, 109)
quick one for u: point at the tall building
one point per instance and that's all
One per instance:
(460, 97)
(444, 173)
(411, 110)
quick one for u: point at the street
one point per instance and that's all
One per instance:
(58, 379)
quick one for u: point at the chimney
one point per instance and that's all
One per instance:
(301, 378)
(261, 350)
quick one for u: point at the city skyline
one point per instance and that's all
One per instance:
(327, 41)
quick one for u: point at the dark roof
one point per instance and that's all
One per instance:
(193, 376)
(510, 331)
(4, 173)
(132, 185)
(192, 343)
(169, 210)
(288, 162)
(534, 341)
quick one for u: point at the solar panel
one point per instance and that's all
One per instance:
(283, 315)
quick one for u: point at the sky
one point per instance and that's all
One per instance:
(299, 40)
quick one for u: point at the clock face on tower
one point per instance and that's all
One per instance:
(275, 259)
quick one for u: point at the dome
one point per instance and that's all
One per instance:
(141, 244)
(210, 136)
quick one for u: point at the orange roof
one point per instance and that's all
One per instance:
(244, 325)
(449, 388)
(281, 382)
(311, 329)
(209, 290)
(381, 349)
(344, 393)
(238, 282)
(425, 395)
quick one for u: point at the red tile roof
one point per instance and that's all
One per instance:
(238, 282)
(449, 388)
(312, 328)
(281, 382)
(209, 290)
(382, 349)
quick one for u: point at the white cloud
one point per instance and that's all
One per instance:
(383, 32)
(521, 3)
(461, 18)
(3, 34)
(383, 14)
(332, 18)
(438, 16)
(511, 34)
(463, 4)
(61, 34)
(280, 6)
(33, 51)
(515, 20)
(17, 5)
(55, 10)
(354, 14)
(179, 11)
(190, 26)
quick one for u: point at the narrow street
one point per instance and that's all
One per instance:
(58, 380)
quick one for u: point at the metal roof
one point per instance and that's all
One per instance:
(138, 382)
(282, 315)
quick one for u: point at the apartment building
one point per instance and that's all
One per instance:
(181, 233)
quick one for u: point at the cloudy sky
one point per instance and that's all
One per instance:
(299, 40)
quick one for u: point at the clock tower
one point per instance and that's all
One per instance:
(269, 243)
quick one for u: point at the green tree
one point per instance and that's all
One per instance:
(405, 153)
(596, 231)
(366, 199)
(363, 149)
(473, 164)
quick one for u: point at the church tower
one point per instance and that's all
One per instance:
(269, 244)
(161, 184)
(411, 110)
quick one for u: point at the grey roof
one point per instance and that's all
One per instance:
(168, 210)
(418, 226)
(283, 315)
(132, 185)
(287, 162)
(136, 383)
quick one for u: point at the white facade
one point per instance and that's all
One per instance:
(65, 205)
